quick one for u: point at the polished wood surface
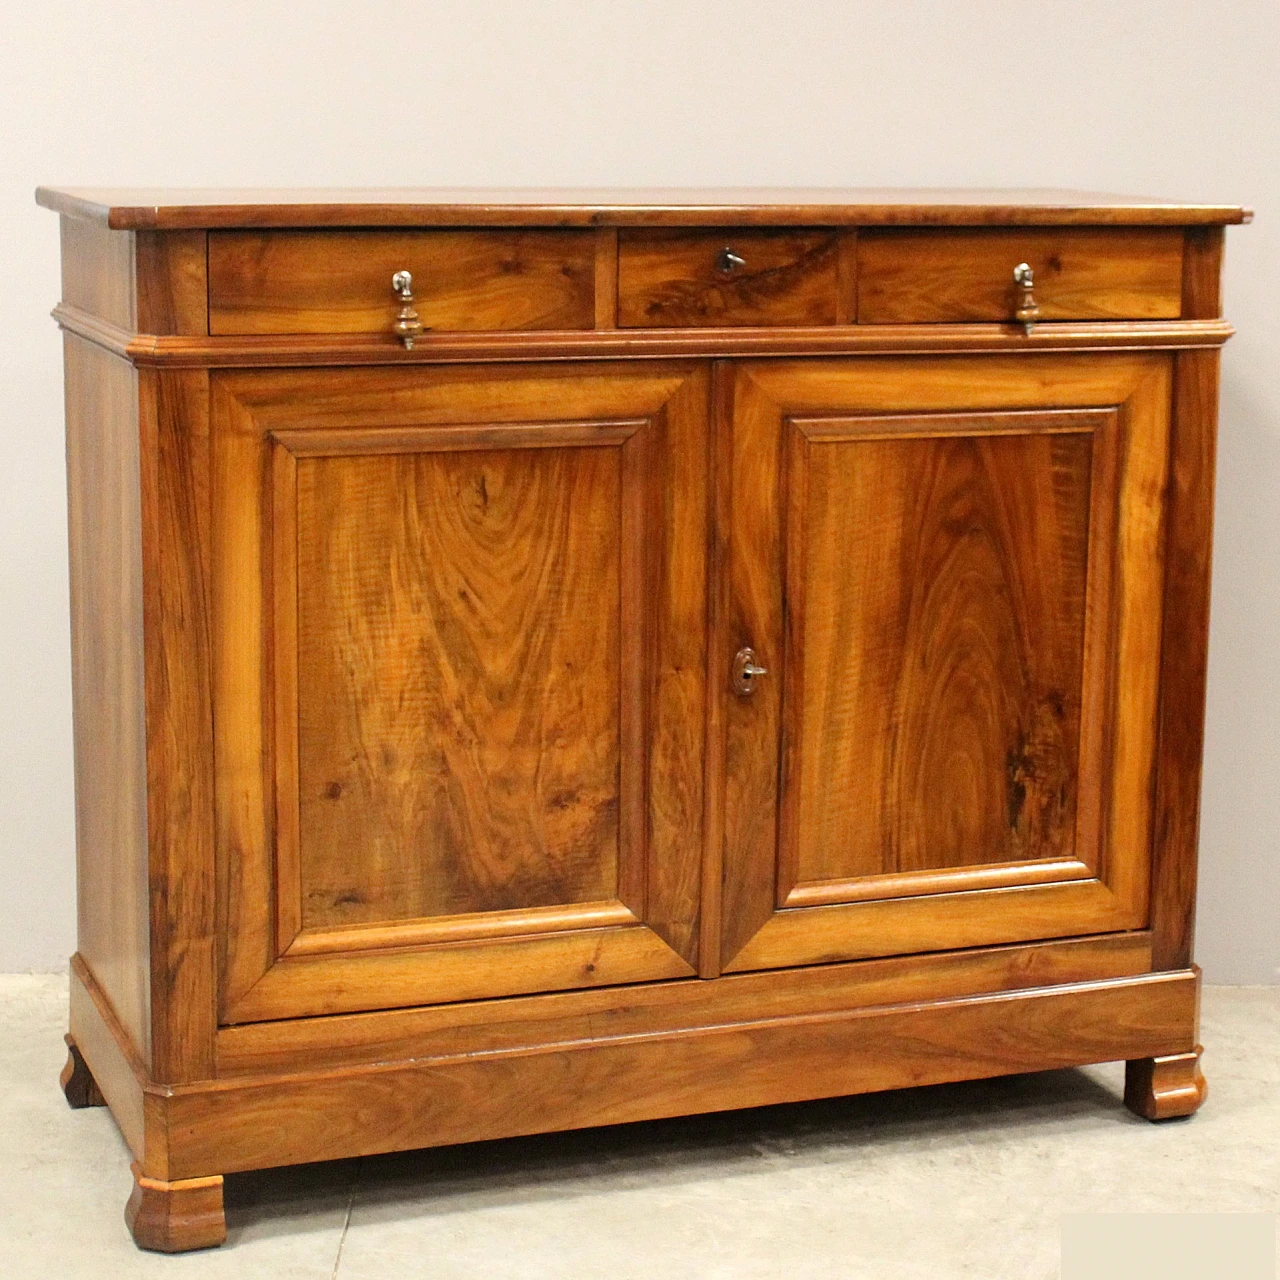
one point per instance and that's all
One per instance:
(918, 277)
(953, 740)
(113, 1061)
(178, 209)
(255, 1048)
(677, 278)
(1167, 1087)
(606, 278)
(1185, 647)
(835, 718)
(254, 1122)
(289, 351)
(340, 281)
(98, 271)
(415, 801)
(482, 624)
(172, 282)
(108, 679)
(175, 526)
(438, 775)
(175, 1217)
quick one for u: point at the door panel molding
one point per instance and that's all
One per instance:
(911, 884)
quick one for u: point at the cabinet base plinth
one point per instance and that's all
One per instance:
(174, 1217)
(1165, 1088)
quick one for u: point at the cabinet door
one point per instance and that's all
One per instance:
(459, 681)
(951, 569)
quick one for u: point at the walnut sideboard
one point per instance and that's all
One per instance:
(546, 659)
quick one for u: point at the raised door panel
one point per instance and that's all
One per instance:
(460, 637)
(952, 570)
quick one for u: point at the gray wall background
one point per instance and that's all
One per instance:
(1165, 98)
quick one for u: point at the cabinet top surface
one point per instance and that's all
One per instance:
(194, 208)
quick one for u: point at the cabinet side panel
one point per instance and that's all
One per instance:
(105, 543)
(98, 271)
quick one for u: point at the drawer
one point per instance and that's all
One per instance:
(921, 276)
(727, 277)
(340, 281)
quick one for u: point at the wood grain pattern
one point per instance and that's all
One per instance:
(172, 282)
(567, 1016)
(459, 633)
(1113, 829)
(1166, 1087)
(719, 644)
(941, 641)
(847, 278)
(503, 766)
(965, 275)
(175, 532)
(1184, 656)
(358, 977)
(1202, 273)
(118, 1069)
(254, 1122)
(1184, 647)
(98, 271)
(606, 283)
(176, 209)
(144, 281)
(175, 1217)
(108, 684)
(674, 278)
(340, 281)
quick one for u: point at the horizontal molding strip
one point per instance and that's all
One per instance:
(897, 339)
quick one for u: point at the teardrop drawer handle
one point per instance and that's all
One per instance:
(407, 326)
(1027, 311)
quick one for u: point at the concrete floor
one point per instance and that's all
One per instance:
(953, 1181)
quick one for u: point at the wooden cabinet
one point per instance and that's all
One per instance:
(670, 654)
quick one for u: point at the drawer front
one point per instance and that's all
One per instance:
(727, 277)
(340, 281)
(929, 276)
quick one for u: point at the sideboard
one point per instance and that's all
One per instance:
(552, 658)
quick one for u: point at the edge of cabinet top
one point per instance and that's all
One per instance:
(135, 209)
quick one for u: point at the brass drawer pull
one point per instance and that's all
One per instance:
(728, 262)
(407, 324)
(746, 672)
(1027, 312)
